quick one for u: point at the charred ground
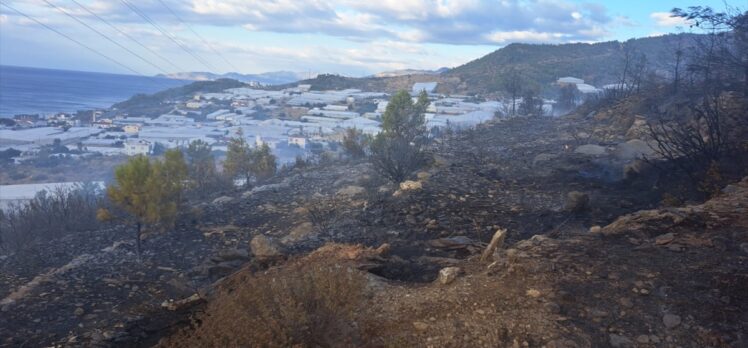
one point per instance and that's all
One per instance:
(529, 175)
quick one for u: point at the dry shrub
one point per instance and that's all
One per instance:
(303, 306)
(325, 212)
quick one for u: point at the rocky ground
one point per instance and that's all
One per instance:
(553, 179)
(672, 277)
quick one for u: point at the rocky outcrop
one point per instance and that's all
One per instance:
(265, 249)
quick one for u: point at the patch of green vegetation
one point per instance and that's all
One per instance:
(154, 103)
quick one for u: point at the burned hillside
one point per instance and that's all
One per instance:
(535, 177)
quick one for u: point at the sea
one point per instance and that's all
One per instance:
(26, 90)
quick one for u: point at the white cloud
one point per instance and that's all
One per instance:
(523, 36)
(377, 35)
(666, 19)
(434, 21)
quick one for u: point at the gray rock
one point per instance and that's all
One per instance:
(79, 312)
(620, 341)
(633, 149)
(350, 191)
(730, 189)
(232, 254)
(626, 302)
(450, 243)
(266, 249)
(222, 200)
(744, 247)
(591, 150)
(270, 187)
(543, 157)
(448, 274)
(552, 307)
(664, 238)
(671, 320)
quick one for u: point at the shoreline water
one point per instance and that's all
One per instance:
(25, 90)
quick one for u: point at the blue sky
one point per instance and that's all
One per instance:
(349, 37)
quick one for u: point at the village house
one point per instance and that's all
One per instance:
(298, 141)
(136, 147)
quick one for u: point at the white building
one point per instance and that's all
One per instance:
(569, 81)
(137, 147)
(298, 141)
(131, 128)
(171, 120)
(45, 135)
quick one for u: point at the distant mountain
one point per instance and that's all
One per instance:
(268, 78)
(403, 72)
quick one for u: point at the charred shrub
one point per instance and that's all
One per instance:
(305, 306)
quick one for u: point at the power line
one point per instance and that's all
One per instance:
(198, 35)
(149, 20)
(106, 37)
(128, 36)
(73, 40)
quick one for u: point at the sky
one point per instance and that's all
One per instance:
(347, 37)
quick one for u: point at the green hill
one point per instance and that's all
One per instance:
(598, 63)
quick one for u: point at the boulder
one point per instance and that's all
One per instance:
(638, 128)
(266, 249)
(448, 275)
(590, 150)
(223, 200)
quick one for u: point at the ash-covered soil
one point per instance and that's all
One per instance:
(613, 287)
